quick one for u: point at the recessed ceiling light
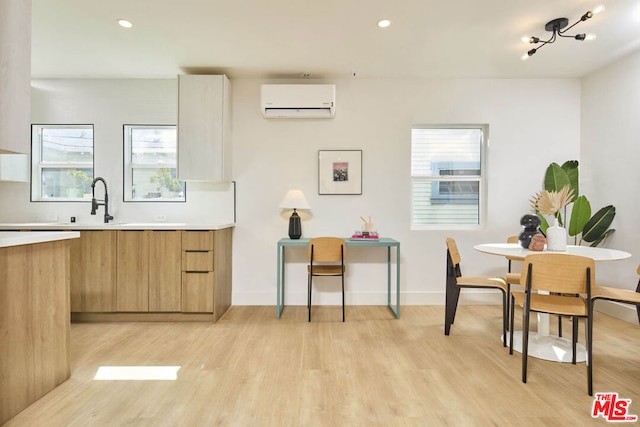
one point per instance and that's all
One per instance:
(125, 23)
(384, 23)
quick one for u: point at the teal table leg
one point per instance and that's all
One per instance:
(396, 309)
(280, 282)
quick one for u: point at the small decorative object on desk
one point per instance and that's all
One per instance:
(365, 235)
(530, 224)
(368, 231)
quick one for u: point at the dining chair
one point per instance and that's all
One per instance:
(568, 280)
(326, 258)
(456, 281)
(513, 278)
(624, 296)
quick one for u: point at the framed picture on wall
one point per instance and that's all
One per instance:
(340, 172)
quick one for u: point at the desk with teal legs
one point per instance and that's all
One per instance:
(382, 242)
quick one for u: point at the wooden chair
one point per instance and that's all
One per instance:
(456, 281)
(513, 278)
(624, 296)
(568, 279)
(326, 258)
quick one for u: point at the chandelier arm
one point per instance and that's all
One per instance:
(569, 37)
(561, 32)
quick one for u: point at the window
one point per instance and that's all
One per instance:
(447, 178)
(150, 173)
(62, 162)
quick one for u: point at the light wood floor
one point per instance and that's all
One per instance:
(250, 369)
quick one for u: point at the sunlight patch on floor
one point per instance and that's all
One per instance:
(146, 373)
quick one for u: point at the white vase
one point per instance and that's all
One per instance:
(556, 237)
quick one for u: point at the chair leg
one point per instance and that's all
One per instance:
(309, 307)
(343, 298)
(513, 301)
(560, 326)
(506, 308)
(505, 303)
(451, 303)
(525, 341)
(589, 345)
(574, 339)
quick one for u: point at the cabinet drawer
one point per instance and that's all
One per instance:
(197, 260)
(197, 292)
(197, 240)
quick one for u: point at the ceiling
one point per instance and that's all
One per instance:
(324, 38)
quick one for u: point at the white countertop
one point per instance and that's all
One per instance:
(115, 225)
(17, 238)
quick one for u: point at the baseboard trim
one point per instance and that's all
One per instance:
(467, 297)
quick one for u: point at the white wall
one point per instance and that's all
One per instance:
(108, 104)
(532, 123)
(609, 152)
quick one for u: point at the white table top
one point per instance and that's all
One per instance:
(516, 251)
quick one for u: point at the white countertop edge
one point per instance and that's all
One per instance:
(113, 226)
(13, 238)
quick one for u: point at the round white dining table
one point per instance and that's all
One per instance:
(541, 344)
(516, 251)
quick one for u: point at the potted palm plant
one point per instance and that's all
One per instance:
(581, 225)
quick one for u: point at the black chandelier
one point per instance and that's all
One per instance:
(558, 28)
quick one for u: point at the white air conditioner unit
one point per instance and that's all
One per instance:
(300, 101)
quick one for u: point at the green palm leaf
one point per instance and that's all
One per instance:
(580, 214)
(555, 178)
(571, 168)
(596, 227)
(604, 236)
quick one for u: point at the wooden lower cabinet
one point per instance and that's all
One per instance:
(132, 285)
(206, 271)
(148, 271)
(165, 271)
(197, 291)
(93, 272)
(151, 275)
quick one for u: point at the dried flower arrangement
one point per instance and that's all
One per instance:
(551, 202)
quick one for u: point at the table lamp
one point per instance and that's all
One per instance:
(294, 200)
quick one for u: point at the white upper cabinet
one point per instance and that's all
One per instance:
(204, 123)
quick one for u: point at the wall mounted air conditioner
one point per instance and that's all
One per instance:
(298, 101)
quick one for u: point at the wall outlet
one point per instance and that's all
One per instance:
(161, 218)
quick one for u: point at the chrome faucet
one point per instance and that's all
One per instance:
(94, 202)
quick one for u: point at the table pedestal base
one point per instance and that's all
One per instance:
(549, 347)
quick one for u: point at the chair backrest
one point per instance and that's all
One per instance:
(558, 272)
(453, 251)
(327, 249)
(512, 239)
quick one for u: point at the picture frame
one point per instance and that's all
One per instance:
(340, 172)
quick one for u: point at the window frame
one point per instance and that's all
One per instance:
(481, 178)
(37, 166)
(128, 166)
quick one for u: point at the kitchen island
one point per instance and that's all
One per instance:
(34, 316)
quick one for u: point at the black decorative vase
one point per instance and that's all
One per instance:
(530, 226)
(295, 227)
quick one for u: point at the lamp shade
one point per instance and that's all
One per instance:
(294, 200)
